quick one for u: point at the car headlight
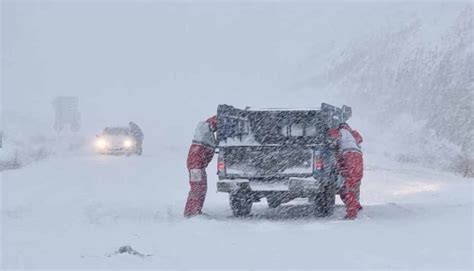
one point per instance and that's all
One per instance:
(128, 143)
(101, 143)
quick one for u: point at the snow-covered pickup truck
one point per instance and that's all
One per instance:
(278, 154)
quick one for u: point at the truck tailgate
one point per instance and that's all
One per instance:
(268, 161)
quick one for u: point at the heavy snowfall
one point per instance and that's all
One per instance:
(405, 68)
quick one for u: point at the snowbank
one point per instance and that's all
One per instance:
(25, 140)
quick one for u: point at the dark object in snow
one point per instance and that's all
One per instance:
(278, 154)
(13, 163)
(129, 250)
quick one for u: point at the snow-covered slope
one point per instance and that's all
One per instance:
(411, 78)
(26, 140)
(75, 211)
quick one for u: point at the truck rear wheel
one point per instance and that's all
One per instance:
(324, 203)
(240, 203)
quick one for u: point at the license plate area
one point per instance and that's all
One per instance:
(304, 184)
(269, 186)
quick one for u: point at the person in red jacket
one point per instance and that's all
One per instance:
(200, 155)
(350, 166)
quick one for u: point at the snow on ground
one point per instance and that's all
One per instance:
(75, 211)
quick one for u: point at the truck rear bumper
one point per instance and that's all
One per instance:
(228, 186)
(297, 186)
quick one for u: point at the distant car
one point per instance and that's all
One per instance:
(117, 141)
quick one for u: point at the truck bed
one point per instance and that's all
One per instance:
(267, 161)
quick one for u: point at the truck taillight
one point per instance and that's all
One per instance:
(318, 164)
(220, 166)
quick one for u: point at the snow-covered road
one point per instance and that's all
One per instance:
(75, 211)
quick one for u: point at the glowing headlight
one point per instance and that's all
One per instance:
(128, 143)
(101, 143)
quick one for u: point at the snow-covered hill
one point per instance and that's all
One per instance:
(412, 78)
(75, 211)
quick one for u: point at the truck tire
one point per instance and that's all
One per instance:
(324, 203)
(240, 203)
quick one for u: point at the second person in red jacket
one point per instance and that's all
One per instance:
(350, 166)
